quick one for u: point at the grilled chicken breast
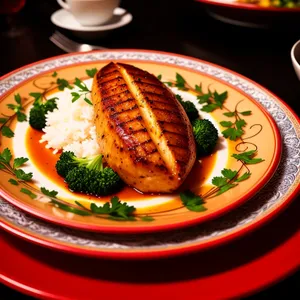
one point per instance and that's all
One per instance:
(142, 130)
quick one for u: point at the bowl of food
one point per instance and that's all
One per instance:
(254, 13)
(295, 56)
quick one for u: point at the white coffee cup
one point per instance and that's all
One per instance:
(295, 56)
(90, 12)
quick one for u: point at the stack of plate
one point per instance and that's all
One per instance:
(272, 129)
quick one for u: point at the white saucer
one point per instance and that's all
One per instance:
(64, 19)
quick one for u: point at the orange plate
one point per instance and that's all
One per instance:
(269, 201)
(167, 212)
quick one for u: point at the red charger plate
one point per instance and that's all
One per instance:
(233, 270)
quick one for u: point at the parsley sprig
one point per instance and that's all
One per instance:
(14, 168)
(228, 180)
(211, 100)
(248, 157)
(234, 130)
(231, 178)
(18, 111)
(18, 108)
(91, 72)
(63, 84)
(29, 193)
(192, 201)
(115, 209)
(83, 90)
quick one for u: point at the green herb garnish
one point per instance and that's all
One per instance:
(147, 218)
(49, 193)
(6, 131)
(18, 108)
(83, 91)
(180, 82)
(5, 158)
(91, 72)
(69, 208)
(212, 100)
(29, 193)
(62, 84)
(115, 209)
(247, 157)
(234, 130)
(13, 182)
(19, 161)
(192, 201)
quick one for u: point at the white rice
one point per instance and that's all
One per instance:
(70, 127)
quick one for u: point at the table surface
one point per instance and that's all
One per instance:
(263, 55)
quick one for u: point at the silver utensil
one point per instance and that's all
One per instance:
(68, 45)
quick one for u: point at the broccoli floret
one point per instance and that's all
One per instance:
(87, 175)
(189, 108)
(206, 136)
(67, 161)
(50, 105)
(92, 182)
(37, 118)
(37, 114)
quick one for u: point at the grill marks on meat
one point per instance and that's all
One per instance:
(124, 112)
(142, 130)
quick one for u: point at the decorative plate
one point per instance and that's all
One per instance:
(223, 180)
(272, 199)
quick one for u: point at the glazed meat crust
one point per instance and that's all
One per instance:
(142, 130)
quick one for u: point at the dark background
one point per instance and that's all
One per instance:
(182, 27)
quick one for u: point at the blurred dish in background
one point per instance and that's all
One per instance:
(64, 19)
(11, 6)
(295, 55)
(255, 13)
(9, 10)
(275, 3)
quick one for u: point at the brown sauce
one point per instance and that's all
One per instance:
(45, 161)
